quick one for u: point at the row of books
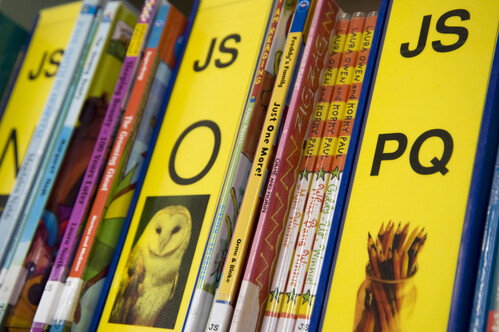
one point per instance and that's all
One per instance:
(222, 172)
(93, 122)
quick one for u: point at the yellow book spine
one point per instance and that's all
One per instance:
(227, 285)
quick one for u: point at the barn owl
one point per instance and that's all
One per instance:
(153, 267)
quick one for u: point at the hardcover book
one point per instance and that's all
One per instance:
(418, 195)
(175, 209)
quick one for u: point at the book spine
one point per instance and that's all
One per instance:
(42, 140)
(17, 273)
(318, 307)
(25, 223)
(295, 214)
(239, 167)
(306, 92)
(100, 153)
(92, 176)
(27, 175)
(15, 129)
(328, 149)
(224, 302)
(119, 154)
(306, 299)
(108, 236)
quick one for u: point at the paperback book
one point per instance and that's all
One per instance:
(88, 105)
(306, 300)
(99, 75)
(101, 152)
(284, 170)
(309, 199)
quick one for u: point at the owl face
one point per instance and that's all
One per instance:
(169, 232)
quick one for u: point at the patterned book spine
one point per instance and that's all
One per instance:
(293, 222)
(328, 148)
(305, 302)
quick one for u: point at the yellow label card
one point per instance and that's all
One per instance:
(404, 219)
(31, 89)
(157, 270)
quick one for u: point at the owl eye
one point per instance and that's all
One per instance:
(176, 230)
(158, 230)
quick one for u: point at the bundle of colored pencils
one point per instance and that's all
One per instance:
(392, 262)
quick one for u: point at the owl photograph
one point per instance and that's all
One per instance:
(159, 258)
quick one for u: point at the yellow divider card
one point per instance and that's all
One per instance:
(31, 90)
(403, 223)
(157, 270)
